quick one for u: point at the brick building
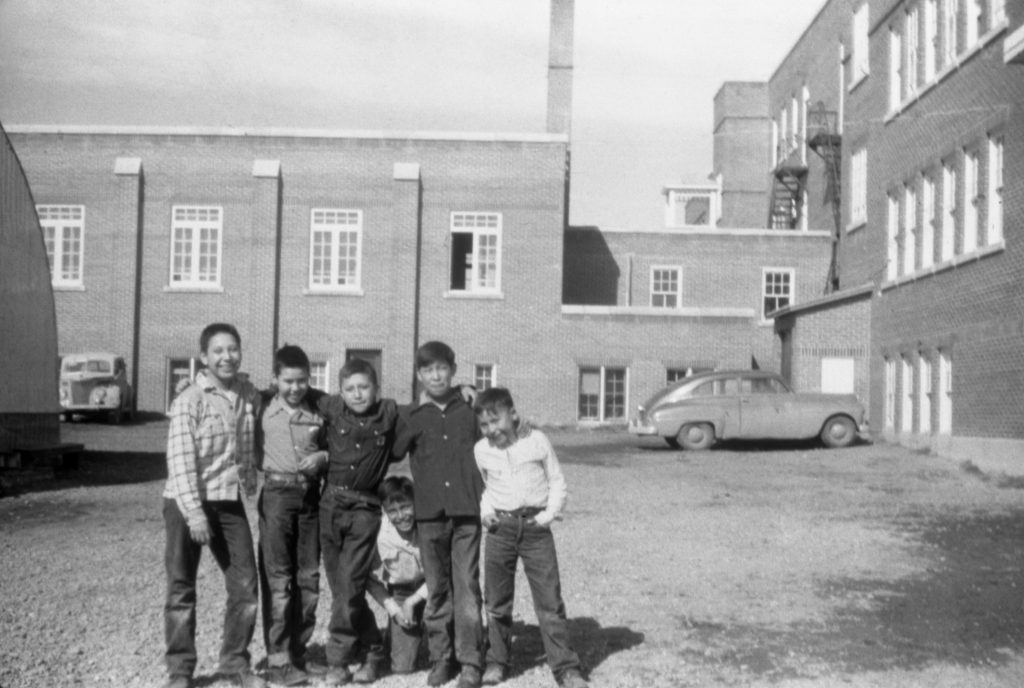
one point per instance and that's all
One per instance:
(919, 102)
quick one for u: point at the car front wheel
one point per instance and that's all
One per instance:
(696, 436)
(839, 431)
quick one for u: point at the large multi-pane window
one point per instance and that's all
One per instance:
(484, 376)
(64, 234)
(972, 201)
(335, 244)
(476, 252)
(859, 46)
(907, 395)
(320, 375)
(924, 395)
(913, 45)
(665, 287)
(927, 221)
(776, 290)
(196, 233)
(892, 230)
(994, 211)
(895, 67)
(948, 211)
(931, 39)
(602, 393)
(909, 228)
(890, 393)
(945, 393)
(859, 186)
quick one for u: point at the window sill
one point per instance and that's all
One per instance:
(69, 287)
(857, 82)
(855, 225)
(486, 295)
(193, 289)
(353, 291)
(954, 262)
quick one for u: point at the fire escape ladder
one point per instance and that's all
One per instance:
(826, 142)
(786, 205)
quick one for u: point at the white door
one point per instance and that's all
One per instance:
(837, 375)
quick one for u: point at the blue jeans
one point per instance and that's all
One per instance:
(231, 546)
(348, 538)
(518, 537)
(289, 568)
(450, 548)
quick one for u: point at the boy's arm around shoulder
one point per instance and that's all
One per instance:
(557, 488)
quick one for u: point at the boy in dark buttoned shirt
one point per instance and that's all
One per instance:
(439, 434)
(360, 439)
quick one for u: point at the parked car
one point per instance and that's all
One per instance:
(746, 404)
(94, 384)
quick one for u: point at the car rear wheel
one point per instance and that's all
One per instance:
(696, 436)
(838, 431)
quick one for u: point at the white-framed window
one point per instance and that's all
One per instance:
(795, 124)
(484, 376)
(909, 228)
(927, 221)
(320, 375)
(972, 200)
(335, 249)
(994, 198)
(949, 211)
(783, 133)
(775, 143)
(890, 394)
(602, 393)
(997, 12)
(666, 286)
(859, 45)
(692, 205)
(859, 186)
(950, 24)
(892, 231)
(907, 395)
(895, 67)
(945, 393)
(196, 237)
(805, 104)
(973, 27)
(64, 235)
(776, 289)
(913, 46)
(179, 369)
(924, 395)
(932, 49)
(476, 252)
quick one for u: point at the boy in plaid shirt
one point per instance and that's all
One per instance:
(210, 456)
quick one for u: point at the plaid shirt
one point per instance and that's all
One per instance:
(210, 438)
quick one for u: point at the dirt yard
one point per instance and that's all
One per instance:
(788, 566)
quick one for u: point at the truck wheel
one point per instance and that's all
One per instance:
(696, 436)
(838, 431)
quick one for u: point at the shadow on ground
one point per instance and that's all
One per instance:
(95, 468)
(965, 610)
(592, 643)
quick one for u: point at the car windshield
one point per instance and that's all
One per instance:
(87, 366)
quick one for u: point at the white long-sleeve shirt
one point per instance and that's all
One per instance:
(524, 474)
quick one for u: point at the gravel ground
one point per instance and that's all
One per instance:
(788, 565)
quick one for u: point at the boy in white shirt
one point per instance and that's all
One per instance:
(524, 491)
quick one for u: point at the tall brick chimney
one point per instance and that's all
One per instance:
(560, 68)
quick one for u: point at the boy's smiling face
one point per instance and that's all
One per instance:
(499, 426)
(401, 515)
(292, 385)
(358, 392)
(222, 358)
(436, 378)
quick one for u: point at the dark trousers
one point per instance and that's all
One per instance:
(348, 538)
(514, 538)
(231, 546)
(450, 549)
(404, 643)
(289, 568)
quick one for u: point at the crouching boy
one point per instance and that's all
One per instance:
(397, 581)
(524, 491)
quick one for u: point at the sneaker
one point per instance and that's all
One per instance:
(286, 675)
(493, 675)
(572, 679)
(469, 677)
(338, 675)
(179, 681)
(441, 673)
(367, 673)
(245, 678)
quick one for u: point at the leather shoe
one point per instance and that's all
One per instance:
(338, 676)
(493, 675)
(441, 673)
(469, 677)
(572, 679)
(286, 675)
(367, 673)
(179, 681)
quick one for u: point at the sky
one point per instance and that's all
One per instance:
(645, 74)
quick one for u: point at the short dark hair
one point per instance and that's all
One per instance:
(434, 352)
(490, 400)
(214, 329)
(290, 356)
(395, 488)
(357, 366)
